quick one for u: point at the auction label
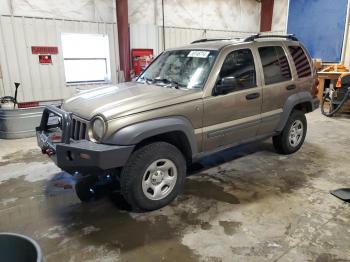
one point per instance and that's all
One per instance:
(199, 54)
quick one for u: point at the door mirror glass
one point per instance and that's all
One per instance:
(226, 85)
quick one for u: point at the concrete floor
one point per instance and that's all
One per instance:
(243, 204)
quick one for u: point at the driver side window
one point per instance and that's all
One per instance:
(239, 65)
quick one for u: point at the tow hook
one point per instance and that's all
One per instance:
(48, 151)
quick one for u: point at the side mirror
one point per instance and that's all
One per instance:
(226, 85)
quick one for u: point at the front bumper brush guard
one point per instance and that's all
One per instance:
(42, 130)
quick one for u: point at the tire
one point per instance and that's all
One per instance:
(285, 143)
(153, 176)
(84, 189)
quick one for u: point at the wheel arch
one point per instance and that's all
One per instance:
(301, 101)
(176, 130)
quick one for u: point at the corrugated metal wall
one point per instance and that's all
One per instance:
(18, 64)
(151, 36)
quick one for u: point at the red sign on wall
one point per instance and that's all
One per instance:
(45, 59)
(53, 50)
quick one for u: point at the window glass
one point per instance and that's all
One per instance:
(240, 65)
(300, 60)
(275, 64)
(86, 58)
(183, 68)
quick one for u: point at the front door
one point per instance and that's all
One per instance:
(232, 113)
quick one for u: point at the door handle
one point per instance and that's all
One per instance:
(291, 87)
(252, 96)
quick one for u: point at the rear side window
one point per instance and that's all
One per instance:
(300, 60)
(240, 65)
(275, 64)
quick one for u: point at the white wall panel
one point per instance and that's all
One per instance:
(144, 36)
(280, 16)
(88, 10)
(151, 36)
(235, 15)
(175, 37)
(43, 82)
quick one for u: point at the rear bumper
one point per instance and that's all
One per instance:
(79, 155)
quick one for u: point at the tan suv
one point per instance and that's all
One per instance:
(200, 98)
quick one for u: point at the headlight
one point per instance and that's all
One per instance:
(98, 128)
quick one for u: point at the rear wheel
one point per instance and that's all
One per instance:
(293, 135)
(153, 176)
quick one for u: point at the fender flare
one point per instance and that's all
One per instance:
(291, 102)
(135, 133)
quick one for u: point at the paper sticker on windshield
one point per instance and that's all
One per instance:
(199, 54)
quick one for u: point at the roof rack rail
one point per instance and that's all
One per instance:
(210, 40)
(257, 36)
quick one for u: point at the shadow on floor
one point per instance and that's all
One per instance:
(229, 155)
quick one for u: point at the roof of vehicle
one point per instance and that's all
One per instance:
(218, 43)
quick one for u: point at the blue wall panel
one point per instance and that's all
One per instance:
(320, 25)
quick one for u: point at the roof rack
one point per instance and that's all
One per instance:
(257, 36)
(210, 40)
(248, 39)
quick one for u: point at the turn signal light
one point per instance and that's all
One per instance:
(84, 156)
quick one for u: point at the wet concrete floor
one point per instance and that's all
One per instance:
(242, 204)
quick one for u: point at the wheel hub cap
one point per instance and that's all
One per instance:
(296, 133)
(159, 179)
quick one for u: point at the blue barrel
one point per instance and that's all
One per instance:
(19, 248)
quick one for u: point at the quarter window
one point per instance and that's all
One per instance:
(301, 61)
(240, 65)
(275, 64)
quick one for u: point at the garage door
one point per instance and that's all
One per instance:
(320, 25)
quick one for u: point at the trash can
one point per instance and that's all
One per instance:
(19, 248)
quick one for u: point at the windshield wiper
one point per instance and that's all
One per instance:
(167, 81)
(147, 80)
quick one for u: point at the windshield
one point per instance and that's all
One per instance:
(180, 68)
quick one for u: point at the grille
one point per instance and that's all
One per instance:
(79, 129)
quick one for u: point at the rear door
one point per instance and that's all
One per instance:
(278, 83)
(234, 116)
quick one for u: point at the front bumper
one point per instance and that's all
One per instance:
(78, 155)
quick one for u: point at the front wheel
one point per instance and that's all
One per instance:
(293, 134)
(153, 176)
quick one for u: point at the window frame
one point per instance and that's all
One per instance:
(254, 63)
(106, 59)
(291, 65)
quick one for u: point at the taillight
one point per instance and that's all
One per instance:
(315, 87)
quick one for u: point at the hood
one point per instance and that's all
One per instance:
(124, 99)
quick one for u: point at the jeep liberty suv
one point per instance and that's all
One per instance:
(200, 98)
